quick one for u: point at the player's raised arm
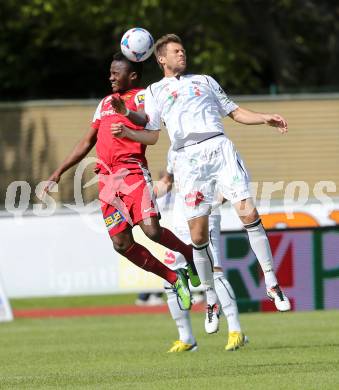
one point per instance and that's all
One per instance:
(147, 116)
(248, 117)
(139, 117)
(146, 137)
(151, 121)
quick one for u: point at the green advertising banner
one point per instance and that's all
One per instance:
(306, 263)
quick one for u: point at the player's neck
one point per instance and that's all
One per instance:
(131, 88)
(176, 75)
(172, 73)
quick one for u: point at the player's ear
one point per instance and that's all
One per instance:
(133, 76)
(161, 60)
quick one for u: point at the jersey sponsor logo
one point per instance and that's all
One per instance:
(126, 97)
(141, 98)
(107, 112)
(114, 219)
(194, 91)
(173, 96)
(194, 198)
(171, 99)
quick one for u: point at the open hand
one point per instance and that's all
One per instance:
(118, 105)
(276, 120)
(49, 184)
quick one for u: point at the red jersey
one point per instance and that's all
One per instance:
(114, 152)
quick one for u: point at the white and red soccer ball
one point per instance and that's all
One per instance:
(137, 44)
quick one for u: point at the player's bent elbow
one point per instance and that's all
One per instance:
(235, 115)
(153, 137)
(143, 122)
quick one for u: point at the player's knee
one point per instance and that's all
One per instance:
(199, 230)
(121, 245)
(250, 217)
(153, 233)
(199, 239)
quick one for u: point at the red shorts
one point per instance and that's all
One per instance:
(126, 198)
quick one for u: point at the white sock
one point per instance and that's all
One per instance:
(181, 317)
(261, 247)
(203, 260)
(228, 302)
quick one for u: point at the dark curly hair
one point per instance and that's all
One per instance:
(136, 67)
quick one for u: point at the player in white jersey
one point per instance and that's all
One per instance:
(225, 293)
(192, 108)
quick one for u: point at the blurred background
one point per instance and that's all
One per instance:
(62, 48)
(273, 56)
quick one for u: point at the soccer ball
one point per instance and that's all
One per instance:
(137, 44)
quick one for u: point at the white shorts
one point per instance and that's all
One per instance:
(175, 260)
(206, 170)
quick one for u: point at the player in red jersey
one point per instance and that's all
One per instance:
(125, 186)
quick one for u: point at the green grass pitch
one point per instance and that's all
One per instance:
(286, 351)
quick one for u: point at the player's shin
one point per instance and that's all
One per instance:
(261, 247)
(227, 300)
(144, 259)
(203, 260)
(181, 317)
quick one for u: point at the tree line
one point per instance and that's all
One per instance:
(63, 48)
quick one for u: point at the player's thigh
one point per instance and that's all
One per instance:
(199, 230)
(141, 200)
(233, 178)
(116, 221)
(196, 187)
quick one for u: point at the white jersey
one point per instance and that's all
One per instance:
(190, 106)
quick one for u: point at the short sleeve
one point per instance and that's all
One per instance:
(226, 104)
(139, 100)
(97, 116)
(151, 109)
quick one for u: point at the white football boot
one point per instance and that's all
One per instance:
(281, 301)
(212, 318)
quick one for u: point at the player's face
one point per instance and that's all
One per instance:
(174, 59)
(121, 78)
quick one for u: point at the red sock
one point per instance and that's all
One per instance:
(171, 241)
(144, 259)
